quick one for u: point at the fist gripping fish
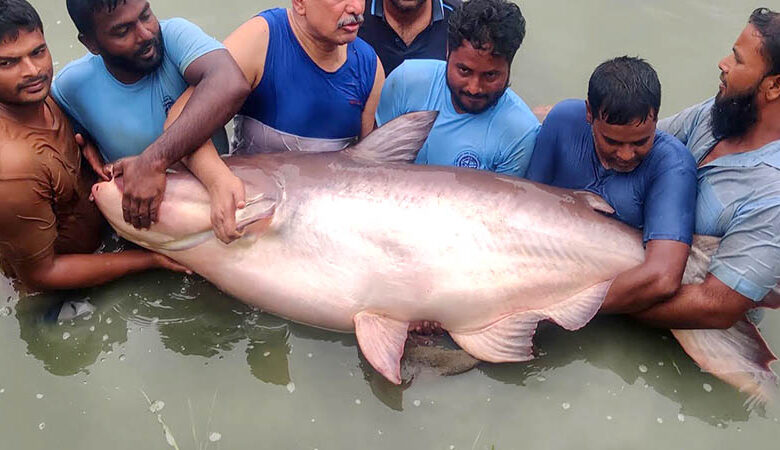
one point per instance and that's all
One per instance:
(360, 241)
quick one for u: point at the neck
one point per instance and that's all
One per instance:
(29, 114)
(122, 75)
(408, 17)
(322, 52)
(764, 131)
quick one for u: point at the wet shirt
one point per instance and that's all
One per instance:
(659, 196)
(739, 201)
(500, 139)
(124, 119)
(297, 97)
(431, 43)
(44, 193)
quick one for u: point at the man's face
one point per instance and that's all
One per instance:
(334, 21)
(25, 69)
(622, 147)
(741, 73)
(408, 5)
(476, 77)
(128, 37)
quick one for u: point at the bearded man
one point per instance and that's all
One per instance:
(481, 124)
(735, 139)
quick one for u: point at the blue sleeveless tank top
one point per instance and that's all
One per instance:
(296, 96)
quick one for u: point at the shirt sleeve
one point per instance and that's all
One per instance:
(670, 204)
(682, 124)
(392, 101)
(541, 167)
(746, 260)
(185, 42)
(515, 158)
(28, 226)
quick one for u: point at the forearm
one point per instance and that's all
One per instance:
(695, 307)
(207, 166)
(636, 290)
(211, 104)
(77, 271)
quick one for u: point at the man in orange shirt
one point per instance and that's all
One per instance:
(48, 225)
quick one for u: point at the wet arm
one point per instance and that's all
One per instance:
(219, 89)
(711, 304)
(657, 279)
(75, 271)
(369, 112)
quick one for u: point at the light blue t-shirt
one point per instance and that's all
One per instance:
(124, 119)
(738, 200)
(500, 139)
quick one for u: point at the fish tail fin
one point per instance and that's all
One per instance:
(511, 338)
(738, 355)
(397, 141)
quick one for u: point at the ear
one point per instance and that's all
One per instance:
(299, 6)
(772, 88)
(89, 43)
(588, 112)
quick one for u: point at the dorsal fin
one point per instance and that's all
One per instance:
(397, 141)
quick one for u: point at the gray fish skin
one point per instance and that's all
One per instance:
(361, 241)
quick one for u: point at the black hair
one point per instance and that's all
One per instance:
(767, 22)
(488, 22)
(624, 90)
(17, 15)
(81, 12)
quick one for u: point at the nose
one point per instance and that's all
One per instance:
(723, 64)
(143, 34)
(473, 86)
(29, 68)
(355, 7)
(626, 153)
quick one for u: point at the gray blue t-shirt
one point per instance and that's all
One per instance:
(500, 139)
(124, 119)
(738, 200)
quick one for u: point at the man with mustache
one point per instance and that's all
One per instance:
(121, 92)
(48, 225)
(481, 124)
(735, 138)
(315, 84)
(407, 29)
(609, 145)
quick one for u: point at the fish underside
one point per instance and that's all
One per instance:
(362, 241)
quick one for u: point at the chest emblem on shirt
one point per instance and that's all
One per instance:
(167, 104)
(468, 159)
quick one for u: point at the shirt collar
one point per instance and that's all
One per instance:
(377, 9)
(768, 154)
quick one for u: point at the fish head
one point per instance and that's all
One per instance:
(184, 213)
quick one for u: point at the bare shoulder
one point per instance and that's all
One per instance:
(248, 45)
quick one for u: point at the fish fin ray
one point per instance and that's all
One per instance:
(255, 210)
(511, 338)
(738, 355)
(382, 340)
(397, 141)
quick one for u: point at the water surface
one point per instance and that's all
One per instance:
(220, 375)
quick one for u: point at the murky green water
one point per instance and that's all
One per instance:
(228, 377)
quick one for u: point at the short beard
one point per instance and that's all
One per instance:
(490, 104)
(135, 65)
(733, 117)
(407, 8)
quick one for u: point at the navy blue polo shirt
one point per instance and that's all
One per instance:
(431, 43)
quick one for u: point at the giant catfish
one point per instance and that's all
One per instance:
(361, 241)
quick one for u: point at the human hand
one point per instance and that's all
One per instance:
(163, 262)
(227, 194)
(426, 328)
(143, 190)
(93, 157)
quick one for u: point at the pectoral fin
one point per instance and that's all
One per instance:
(511, 338)
(257, 209)
(382, 340)
(738, 356)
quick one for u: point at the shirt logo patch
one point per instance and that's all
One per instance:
(167, 104)
(467, 159)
